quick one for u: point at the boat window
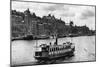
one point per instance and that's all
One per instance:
(56, 48)
(38, 54)
(50, 49)
(53, 49)
(44, 49)
(67, 46)
(59, 48)
(50, 43)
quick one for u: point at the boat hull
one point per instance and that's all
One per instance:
(62, 55)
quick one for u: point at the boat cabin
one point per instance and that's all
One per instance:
(46, 51)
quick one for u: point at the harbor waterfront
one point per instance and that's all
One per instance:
(23, 50)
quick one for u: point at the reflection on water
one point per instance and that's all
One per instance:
(23, 51)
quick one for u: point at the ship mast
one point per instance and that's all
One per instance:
(36, 34)
(56, 35)
(56, 39)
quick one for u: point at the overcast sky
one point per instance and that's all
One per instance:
(81, 15)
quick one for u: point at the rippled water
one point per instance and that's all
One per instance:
(23, 51)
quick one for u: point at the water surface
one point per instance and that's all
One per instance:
(23, 50)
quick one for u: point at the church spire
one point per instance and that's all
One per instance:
(27, 11)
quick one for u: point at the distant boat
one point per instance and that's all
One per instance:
(30, 37)
(26, 37)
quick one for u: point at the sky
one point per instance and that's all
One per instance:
(80, 15)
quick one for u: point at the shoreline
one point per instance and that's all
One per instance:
(31, 38)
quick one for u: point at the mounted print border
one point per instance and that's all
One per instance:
(51, 33)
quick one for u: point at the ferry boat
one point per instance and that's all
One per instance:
(53, 51)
